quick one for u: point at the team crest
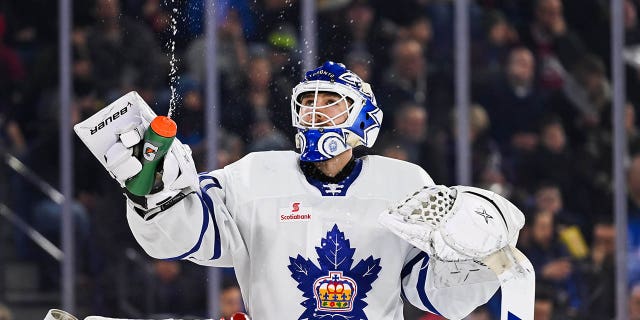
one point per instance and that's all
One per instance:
(334, 289)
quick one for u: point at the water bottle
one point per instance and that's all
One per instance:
(156, 143)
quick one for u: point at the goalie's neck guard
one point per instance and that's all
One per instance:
(323, 135)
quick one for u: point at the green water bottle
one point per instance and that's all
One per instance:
(157, 141)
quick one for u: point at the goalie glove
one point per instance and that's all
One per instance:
(112, 135)
(455, 224)
(465, 223)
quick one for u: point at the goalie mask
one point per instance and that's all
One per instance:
(333, 110)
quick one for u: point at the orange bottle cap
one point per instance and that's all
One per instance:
(164, 126)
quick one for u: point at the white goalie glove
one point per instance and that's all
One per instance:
(114, 132)
(457, 223)
(466, 223)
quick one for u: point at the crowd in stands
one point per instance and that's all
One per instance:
(540, 126)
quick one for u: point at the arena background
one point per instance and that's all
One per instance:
(523, 97)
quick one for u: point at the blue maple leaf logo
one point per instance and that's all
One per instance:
(335, 289)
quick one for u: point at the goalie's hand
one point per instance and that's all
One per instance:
(455, 224)
(119, 159)
(178, 170)
(116, 130)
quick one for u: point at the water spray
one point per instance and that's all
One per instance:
(161, 132)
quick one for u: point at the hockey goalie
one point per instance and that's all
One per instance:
(321, 234)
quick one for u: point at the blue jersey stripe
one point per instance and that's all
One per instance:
(204, 176)
(420, 287)
(209, 186)
(512, 316)
(406, 270)
(205, 224)
(217, 248)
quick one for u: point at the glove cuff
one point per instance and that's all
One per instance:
(147, 207)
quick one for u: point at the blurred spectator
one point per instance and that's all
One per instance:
(11, 67)
(633, 186)
(46, 215)
(513, 103)
(266, 138)
(599, 274)
(544, 303)
(549, 198)
(634, 302)
(590, 20)
(272, 14)
(632, 32)
(489, 53)
(159, 16)
(569, 225)
(190, 118)
(47, 219)
(599, 141)
(395, 152)
(486, 159)
(12, 137)
(232, 54)
(553, 44)
(633, 207)
(361, 63)
(632, 39)
(406, 78)
(257, 100)
(352, 28)
(13, 74)
(631, 129)
(32, 30)
(284, 52)
(584, 100)
(176, 289)
(596, 159)
(554, 161)
(230, 148)
(419, 29)
(551, 160)
(230, 299)
(411, 134)
(124, 52)
(552, 263)
(5, 313)
(44, 155)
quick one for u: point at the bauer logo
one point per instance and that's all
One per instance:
(110, 119)
(149, 151)
(295, 213)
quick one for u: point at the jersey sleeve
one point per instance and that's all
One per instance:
(198, 228)
(449, 289)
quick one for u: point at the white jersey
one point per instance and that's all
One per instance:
(304, 249)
